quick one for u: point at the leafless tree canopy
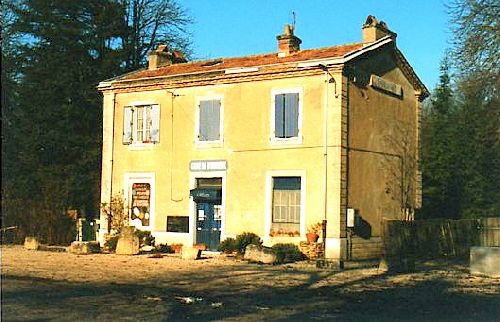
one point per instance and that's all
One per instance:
(152, 22)
(477, 38)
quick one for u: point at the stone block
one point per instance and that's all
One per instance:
(258, 254)
(128, 242)
(82, 248)
(485, 261)
(190, 253)
(31, 243)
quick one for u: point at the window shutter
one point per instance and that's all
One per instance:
(155, 123)
(292, 115)
(209, 120)
(204, 117)
(213, 125)
(279, 117)
(128, 113)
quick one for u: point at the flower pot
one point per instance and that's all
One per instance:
(312, 237)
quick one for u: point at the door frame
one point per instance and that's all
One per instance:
(192, 205)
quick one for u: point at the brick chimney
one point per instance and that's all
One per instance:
(163, 57)
(374, 30)
(288, 43)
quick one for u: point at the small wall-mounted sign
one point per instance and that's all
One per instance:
(386, 86)
(208, 165)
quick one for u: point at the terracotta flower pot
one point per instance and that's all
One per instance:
(312, 237)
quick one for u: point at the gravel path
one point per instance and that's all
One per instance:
(38, 285)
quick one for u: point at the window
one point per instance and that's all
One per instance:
(141, 204)
(178, 224)
(141, 124)
(286, 115)
(209, 129)
(286, 203)
(139, 187)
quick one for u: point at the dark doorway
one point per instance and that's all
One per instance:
(208, 199)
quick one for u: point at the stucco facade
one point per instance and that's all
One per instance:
(352, 103)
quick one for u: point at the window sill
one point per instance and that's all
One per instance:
(286, 141)
(209, 144)
(141, 146)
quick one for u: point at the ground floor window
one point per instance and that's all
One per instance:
(140, 192)
(141, 203)
(286, 205)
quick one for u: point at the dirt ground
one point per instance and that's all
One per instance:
(41, 286)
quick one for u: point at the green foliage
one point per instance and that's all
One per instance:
(145, 238)
(228, 245)
(54, 53)
(287, 253)
(245, 239)
(461, 151)
(164, 248)
(111, 242)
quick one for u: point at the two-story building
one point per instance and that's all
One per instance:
(270, 143)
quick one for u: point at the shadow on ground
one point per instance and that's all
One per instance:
(236, 293)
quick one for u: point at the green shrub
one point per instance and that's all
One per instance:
(145, 238)
(111, 243)
(245, 239)
(287, 253)
(164, 248)
(228, 245)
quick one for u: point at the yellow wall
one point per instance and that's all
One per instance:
(247, 148)
(379, 124)
(252, 158)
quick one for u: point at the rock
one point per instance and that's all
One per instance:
(31, 243)
(397, 264)
(147, 248)
(485, 261)
(82, 248)
(190, 252)
(258, 254)
(128, 242)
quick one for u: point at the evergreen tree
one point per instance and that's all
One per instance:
(440, 157)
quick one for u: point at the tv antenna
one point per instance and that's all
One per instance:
(293, 17)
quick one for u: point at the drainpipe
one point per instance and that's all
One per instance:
(112, 162)
(173, 96)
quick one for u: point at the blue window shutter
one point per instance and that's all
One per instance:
(209, 120)
(291, 115)
(214, 121)
(279, 117)
(204, 117)
(128, 113)
(155, 123)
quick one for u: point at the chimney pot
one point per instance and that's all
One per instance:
(288, 43)
(161, 56)
(373, 30)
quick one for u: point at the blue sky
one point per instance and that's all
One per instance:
(238, 28)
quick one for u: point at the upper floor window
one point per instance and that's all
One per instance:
(141, 124)
(209, 120)
(286, 116)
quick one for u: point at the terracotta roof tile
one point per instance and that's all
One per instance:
(244, 62)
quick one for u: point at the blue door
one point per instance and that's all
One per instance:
(208, 225)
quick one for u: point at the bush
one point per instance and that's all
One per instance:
(228, 245)
(111, 243)
(145, 238)
(287, 253)
(245, 239)
(163, 248)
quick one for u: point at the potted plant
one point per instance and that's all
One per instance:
(313, 232)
